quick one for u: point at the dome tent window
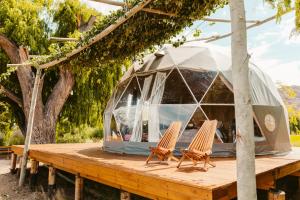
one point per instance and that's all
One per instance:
(198, 81)
(190, 84)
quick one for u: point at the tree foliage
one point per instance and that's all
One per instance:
(285, 5)
(69, 15)
(140, 32)
(293, 112)
(5, 120)
(30, 23)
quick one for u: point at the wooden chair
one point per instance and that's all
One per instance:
(166, 145)
(201, 146)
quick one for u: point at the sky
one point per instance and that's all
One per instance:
(270, 45)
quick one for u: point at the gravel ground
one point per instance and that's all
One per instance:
(9, 189)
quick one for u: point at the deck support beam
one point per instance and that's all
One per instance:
(13, 163)
(51, 183)
(33, 174)
(276, 195)
(78, 187)
(125, 195)
(19, 161)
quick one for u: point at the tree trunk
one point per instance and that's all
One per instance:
(45, 124)
(246, 181)
(46, 116)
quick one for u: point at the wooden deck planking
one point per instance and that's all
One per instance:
(158, 181)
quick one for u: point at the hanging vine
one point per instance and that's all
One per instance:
(138, 33)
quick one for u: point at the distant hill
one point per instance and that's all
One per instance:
(284, 92)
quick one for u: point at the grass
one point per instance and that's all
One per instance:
(295, 140)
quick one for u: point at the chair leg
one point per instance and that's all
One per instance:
(172, 157)
(180, 161)
(210, 162)
(194, 162)
(207, 161)
(149, 157)
(205, 168)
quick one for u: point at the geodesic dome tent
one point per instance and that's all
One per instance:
(190, 84)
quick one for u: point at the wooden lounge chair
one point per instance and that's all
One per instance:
(201, 145)
(166, 145)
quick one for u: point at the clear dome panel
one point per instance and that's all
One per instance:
(218, 93)
(175, 91)
(192, 127)
(258, 135)
(226, 121)
(131, 96)
(158, 86)
(146, 83)
(114, 132)
(198, 81)
(158, 118)
(226, 129)
(124, 118)
(120, 90)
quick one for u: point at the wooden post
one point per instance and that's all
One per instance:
(29, 126)
(125, 195)
(51, 183)
(276, 195)
(13, 163)
(78, 187)
(33, 174)
(245, 152)
(19, 161)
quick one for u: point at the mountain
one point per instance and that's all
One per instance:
(290, 95)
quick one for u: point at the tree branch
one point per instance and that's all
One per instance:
(60, 93)
(10, 48)
(10, 95)
(19, 55)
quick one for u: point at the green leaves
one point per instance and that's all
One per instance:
(283, 6)
(21, 22)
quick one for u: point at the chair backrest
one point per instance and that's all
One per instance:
(169, 139)
(204, 138)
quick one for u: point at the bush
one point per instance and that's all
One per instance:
(79, 135)
(16, 139)
(70, 138)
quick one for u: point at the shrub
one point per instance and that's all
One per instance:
(16, 139)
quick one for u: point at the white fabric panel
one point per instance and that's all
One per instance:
(260, 94)
(107, 120)
(183, 54)
(127, 74)
(268, 83)
(156, 97)
(137, 127)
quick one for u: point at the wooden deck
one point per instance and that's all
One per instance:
(157, 181)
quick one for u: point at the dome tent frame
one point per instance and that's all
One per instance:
(151, 66)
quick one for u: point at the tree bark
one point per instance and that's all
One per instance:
(46, 116)
(246, 181)
(44, 129)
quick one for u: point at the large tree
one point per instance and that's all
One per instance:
(24, 30)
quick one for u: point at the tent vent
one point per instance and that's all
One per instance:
(160, 53)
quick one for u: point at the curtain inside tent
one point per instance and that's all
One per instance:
(137, 126)
(156, 97)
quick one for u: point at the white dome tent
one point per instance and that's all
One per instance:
(190, 83)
